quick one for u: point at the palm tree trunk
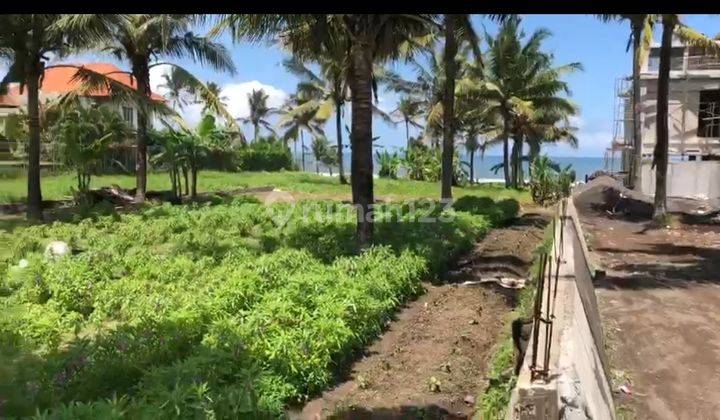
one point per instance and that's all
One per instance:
(449, 108)
(506, 151)
(142, 74)
(407, 133)
(514, 158)
(472, 166)
(185, 175)
(302, 149)
(636, 163)
(338, 128)
(193, 180)
(660, 160)
(295, 146)
(361, 163)
(534, 152)
(257, 131)
(34, 207)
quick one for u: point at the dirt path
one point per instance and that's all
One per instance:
(431, 361)
(660, 306)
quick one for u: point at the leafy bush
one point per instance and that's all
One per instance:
(265, 154)
(207, 310)
(422, 163)
(499, 214)
(389, 164)
(548, 181)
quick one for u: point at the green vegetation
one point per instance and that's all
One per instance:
(208, 310)
(13, 190)
(264, 154)
(494, 401)
(549, 183)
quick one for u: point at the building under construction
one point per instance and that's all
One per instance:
(694, 122)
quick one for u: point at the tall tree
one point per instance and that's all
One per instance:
(26, 43)
(177, 88)
(370, 39)
(671, 25)
(408, 109)
(448, 150)
(660, 154)
(641, 34)
(143, 40)
(259, 112)
(518, 79)
(331, 90)
(295, 119)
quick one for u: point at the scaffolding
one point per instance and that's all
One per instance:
(621, 146)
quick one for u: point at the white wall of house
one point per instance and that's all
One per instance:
(683, 110)
(698, 179)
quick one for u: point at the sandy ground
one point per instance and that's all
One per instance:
(660, 305)
(447, 334)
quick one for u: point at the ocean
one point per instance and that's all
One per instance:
(582, 165)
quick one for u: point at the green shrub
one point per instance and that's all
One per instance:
(499, 213)
(208, 310)
(264, 155)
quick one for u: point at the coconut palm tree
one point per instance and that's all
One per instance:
(330, 89)
(177, 87)
(408, 109)
(370, 39)
(296, 119)
(671, 25)
(209, 95)
(259, 112)
(26, 43)
(143, 40)
(518, 79)
(641, 35)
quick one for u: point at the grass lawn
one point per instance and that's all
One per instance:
(59, 186)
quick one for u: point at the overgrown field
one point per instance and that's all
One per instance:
(227, 310)
(14, 190)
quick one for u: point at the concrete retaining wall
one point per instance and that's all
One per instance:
(577, 386)
(690, 179)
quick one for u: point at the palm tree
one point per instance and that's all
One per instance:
(408, 109)
(330, 90)
(370, 39)
(518, 80)
(319, 147)
(208, 96)
(259, 112)
(671, 25)
(295, 119)
(141, 40)
(26, 42)
(177, 88)
(641, 34)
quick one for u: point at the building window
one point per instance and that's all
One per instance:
(676, 59)
(128, 115)
(709, 113)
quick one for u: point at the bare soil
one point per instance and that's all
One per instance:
(431, 361)
(660, 306)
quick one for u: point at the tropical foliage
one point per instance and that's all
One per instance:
(224, 311)
(85, 133)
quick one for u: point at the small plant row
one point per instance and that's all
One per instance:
(212, 310)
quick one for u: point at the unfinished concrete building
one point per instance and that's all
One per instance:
(694, 122)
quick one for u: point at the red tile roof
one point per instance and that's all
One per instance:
(59, 80)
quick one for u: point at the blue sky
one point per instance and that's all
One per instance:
(600, 47)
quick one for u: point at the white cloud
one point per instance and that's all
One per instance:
(576, 121)
(237, 96)
(156, 78)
